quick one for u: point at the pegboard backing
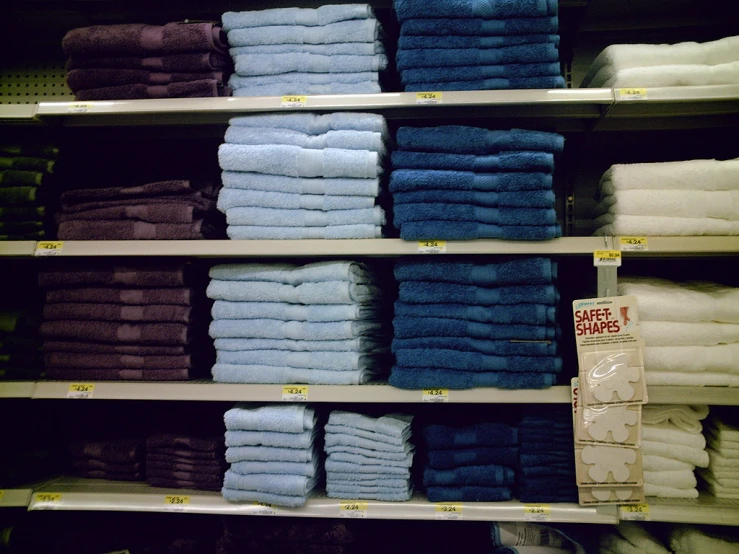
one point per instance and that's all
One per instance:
(34, 82)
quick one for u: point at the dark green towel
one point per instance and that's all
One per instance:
(32, 213)
(49, 152)
(26, 163)
(18, 195)
(12, 177)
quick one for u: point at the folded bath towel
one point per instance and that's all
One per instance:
(327, 292)
(198, 61)
(347, 467)
(269, 217)
(102, 331)
(298, 185)
(358, 30)
(234, 198)
(79, 79)
(330, 361)
(660, 463)
(349, 140)
(117, 312)
(349, 457)
(670, 433)
(422, 26)
(429, 292)
(191, 89)
(532, 314)
(664, 491)
(423, 378)
(296, 418)
(473, 456)
(122, 296)
(492, 84)
(256, 374)
(507, 161)
(340, 437)
(310, 469)
(441, 211)
(721, 358)
(412, 327)
(673, 75)
(687, 418)
(517, 72)
(291, 485)
(331, 49)
(468, 494)
(672, 203)
(80, 229)
(323, 15)
(397, 426)
(488, 9)
(525, 271)
(466, 41)
(341, 451)
(161, 212)
(269, 454)
(441, 57)
(315, 123)
(443, 437)
(474, 361)
(114, 361)
(371, 86)
(296, 330)
(237, 437)
(272, 64)
(487, 475)
(522, 199)
(676, 333)
(460, 139)
(467, 344)
(360, 344)
(369, 492)
(283, 311)
(678, 479)
(236, 495)
(695, 456)
(404, 180)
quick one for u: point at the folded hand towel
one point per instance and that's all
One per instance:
(423, 26)
(443, 437)
(292, 485)
(397, 426)
(66, 374)
(719, 461)
(695, 456)
(332, 232)
(672, 75)
(316, 123)
(151, 213)
(687, 418)
(492, 84)
(369, 493)
(235, 495)
(422, 378)
(405, 458)
(349, 140)
(411, 327)
(671, 433)
(326, 292)
(297, 330)
(234, 198)
(488, 475)
(469, 230)
(338, 435)
(429, 292)
(360, 344)
(532, 314)
(418, 180)
(702, 379)
(467, 344)
(269, 454)
(672, 203)
(103, 331)
(687, 539)
(237, 437)
(507, 161)
(442, 211)
(198, 61)
(331, 361)
(123, 296)
(525, 271)
(280, 419)
(283, 311)
(296, 185)
(664, 491)
(474, 361)
(342, 479)
(660, 463)
(441, 57)
(495, 73)
(293, 161)
(101, 348)
(114, 361)
(340, 456)
(468, 494)
(677, 333)
(260, 374)
(488, 9)
(80, 229)
(678, 479)
(522, 199)
(117, 312)
(371, 86)
(348, 467)
(273, 64)
(722, 358)
(719, 491)
(191, 89)
(467, 41)
(324, 15)
(269, 217)
(331, 49)
(459, 139)
(79, 79)
(359, 30)
(724, 431)
(457, 457)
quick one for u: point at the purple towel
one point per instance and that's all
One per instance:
(103, 331)
(64, 374)
(195, 476)
(170, 483)
(101, 348)
(109, 475)
(140, 297)
(87, 464)
(180, 455)
(158, 188)
(60, 360)
(172, 440)
(116, 312)
(176, 63)
(166, 212)
(157, 274)
(80, 79)
(110, 450)
(138, 39)
(197, 200)
(137, 230)
(204, 88)
(188, 465)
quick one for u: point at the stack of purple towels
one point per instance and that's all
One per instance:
(124, 321)
(164, 210)
(112, 459)
(135, 61)
(185, 462)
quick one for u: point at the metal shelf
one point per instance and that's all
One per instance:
(705, 510)
(17, 389)
(15, 498)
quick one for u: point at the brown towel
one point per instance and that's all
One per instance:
(116, 312)
(103, 331)
(181, 454)
(119, 374)
(209, 61)
(158, 188)
(137, 230)
(79, 79)
(141, 297)
(102, 348)
(151, 213)
(153, 274)
(204, 88)
(202, 200)
(110, 450)
(171, 483)
(173, 440)
(59, 360)
(199, 465)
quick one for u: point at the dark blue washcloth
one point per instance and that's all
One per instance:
(471, 230)
(536, 459)
(560, 470)
(490, 475)
(467, 41)
(452, 57)
(474, 361)
(425, 378)
(409, 327)
(479, 72)
(531, 314)
(407, 180)
(479, 27)
(446, 437)
(468, 494)
(462, 139)
(522, 271)
(430, 292)
(521, 199)
(484, 9)
(408, 213)
(481, 455)
(493, 347)
(513, 83)
(508, 161)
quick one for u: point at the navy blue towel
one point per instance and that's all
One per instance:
(418, 378)
(513, 83)
(479, 72)
(531, 314)
(521, 199)
(521, 271)
(471, 230)
(489, 475)
(441, 211)
(462, 139)
(430, 292)
(443, 57)
(560, 470)
(407, 180)
(507, 161)
(536, 459)
(474, 361)
(447, 437)
(480, 455)
(484, 9)
(468, 494)
(425, 26)
(467, 41)
(492, 347)
(409, 327)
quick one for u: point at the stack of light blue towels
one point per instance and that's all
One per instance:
(459, 183)
(321, 323)
(478, 44)
(461, 325)
(273, 454)
(369, 458)
(334, 49)
(303, 176)
(474, 463)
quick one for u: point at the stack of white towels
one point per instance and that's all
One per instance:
(722, 475)
(633, 538)
(334, 49)
(666, 65)
(273, 454)
(369, 458)
(321, 323)
(690, 330)
(630, 538)
(672, 447)
(694, 197)
(303, 176)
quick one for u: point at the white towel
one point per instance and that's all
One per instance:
(725, 448)
(687, 418)
(658, 226)
(661, 491)
(660, 463)
(667, 76)
(722, 358)
(695, 456)
(690, 540)
(681, 479)
(701, 379)
(718, 491)
(724, 431)
(672, 333)
(670, 433)
(672, 203)
(638, 536)
(718, 460)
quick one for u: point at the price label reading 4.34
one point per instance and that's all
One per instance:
(48, 248)
(537, 512)
(448, 511)
(294, 101)
(353, 509)
(432, 247)
(429, 97)
(46, 500)
(435, 395)
(634, 512)
(80, 390)
(295, 393)
(633, 244)
(176, 503)
(607, 258)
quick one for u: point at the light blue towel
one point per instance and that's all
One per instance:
(340, 478)
(328, 292)
(323, 15)
(347, 467)
(270, 454)
(234, 198)
(298, 185)
(366, 30)
(331, 232)
(475, 9)
(270, 217)
(291, 485)
(236, 81)
(360, 459)
(306, 469)
(296, 330)
(314, 123)
(368, 452)
(369, 493)
(270, 438)
(293, 161)
(286, 418)
(283, 311)
(234, 495)
(273, 64)
(252, 374)
(335, 49)
(334, 438)
(398, 444)
(329, 361)
(397, 426)
(302, 88)
(360, 344)
(442, 57)
(349, 140)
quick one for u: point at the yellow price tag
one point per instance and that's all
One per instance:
(537, 512)
(428, 97)
(635, 244)
(47, 498)
(448, 511)
(632, 93)
(78, 107)
(435, 395)
(294, 101)
(295, 393)
(432, 247)
(80, 390)
(48, 248)
(633, 512)
(353, 509)
(607, 258)
(176, 503)
(264, 509)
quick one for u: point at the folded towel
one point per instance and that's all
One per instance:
(720, 462)
(340, 435)
(342, 479)
(349, 140)
(672, 75)
(235, 437)
(488, 9)
(369, 493)
(412, 327)
(441, 211)
(507, 161)
(66, 374)
(495, 73)
(678, 479)
(467, 41)
(371, 86)
(269, 454)
(488, 475)
(458, 139)
(117, 312)
(331, 361)
(672, 203)
(404, 180)
(323, 15)
(103, 331)
(316, 123)
(468, 494)
(429, 292)
(720, 491)
(467, 344)
(272, 64)
(522, 199)
(724, 431)
(406, 458)
(660, 463)
(349, 457)
(359, 30)
(297, 330)
(291, 485)
(332, 49)
(492, 84)
(277, 419)
(443, 437)
(440, 57)
(533, 314)
(172, 212)
(396, 426)
(457, 457)
(327, 292)
(283, 311)
(677, 333)
(101, 348)
(702, 379)
(235, 495)
(79, 79)
(292, 185)
(360, 344)
(347, 467)
(268, 217)
(114, 361)
(256, 374)
(190, 89)
(474, 361)
(81, 229)
(687, 418)
(671, 433)
(478, 27)
(234, 198)
(422, 378)
(198, 61)
(695, 456)
(468, 230)
(664, 491)
(525, 271)
(687, 539)
(722, 358)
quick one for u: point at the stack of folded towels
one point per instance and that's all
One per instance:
(274, 454)
(321, 323)
(666, 65)
(369, 458)
(474, 463)
(133, 61)
(672, 447)
(461, 325)
(185, 461)
(112, 459)
(163, 210)
(690, 330)
(334, 49)
(133, 321)
(457, 183)
(19, 345)
(688, 539)
(468, 45)
(722, 474)
(546, 456)
(303, 176)
(629, 537)
(694, 197)
(23, 170)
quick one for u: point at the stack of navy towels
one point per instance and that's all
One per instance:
(322, 323)
(474, 463)
(303, 176)
(274, 454)
(546, 456)
(369, 458)
(461, 325)
(459, 183)
(334, 49)
(478, 45)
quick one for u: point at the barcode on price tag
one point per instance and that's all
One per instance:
(429, 97)
(294, 101)
(634, 512)
(633, 244)
(432, 247)
(264, 509)
(176, 503)
(295, 393)
(81, 390)
(48, 248)
(632, 93)
(537, 512)
(353, 509)
(435, 395)
(607, 258)
(448, 511)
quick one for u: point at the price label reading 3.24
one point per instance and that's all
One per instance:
(448, 511)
